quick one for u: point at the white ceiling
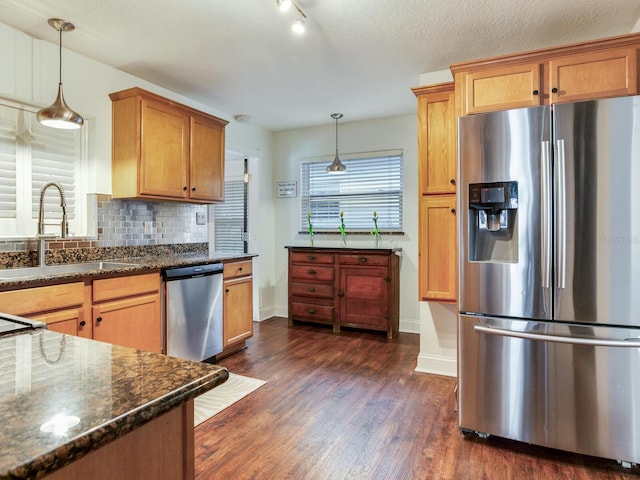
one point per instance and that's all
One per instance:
(358, 57)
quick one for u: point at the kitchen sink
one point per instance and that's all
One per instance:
(47, 270)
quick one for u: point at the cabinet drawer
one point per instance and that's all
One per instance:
(42, 299)
(312, 272)
(238, 269)
(316, 313)
(118, 287)
(377, 260)
(312, 257)
(311, 290)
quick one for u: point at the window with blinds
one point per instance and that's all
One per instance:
(32, 155)
(371, 184)
(229, 218)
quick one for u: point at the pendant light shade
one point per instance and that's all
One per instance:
(336, 166)
(58, 114)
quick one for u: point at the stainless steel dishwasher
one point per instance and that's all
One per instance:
(193, 311)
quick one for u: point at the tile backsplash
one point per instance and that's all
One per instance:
(121, 223)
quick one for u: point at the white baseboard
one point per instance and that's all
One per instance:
(409, 326)
(437, 365)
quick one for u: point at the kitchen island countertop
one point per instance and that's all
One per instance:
(62, 397)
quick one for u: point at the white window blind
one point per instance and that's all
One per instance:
(229, 218)
(32, 155)
(371, 184)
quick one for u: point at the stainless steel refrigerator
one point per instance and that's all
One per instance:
(549, 232)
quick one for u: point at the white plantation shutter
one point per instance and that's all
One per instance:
(54, 158)
(32, 155)
(371, 184)
(229, 218)
(8, 152)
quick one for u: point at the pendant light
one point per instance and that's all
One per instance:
(58, 114)
(337, 166)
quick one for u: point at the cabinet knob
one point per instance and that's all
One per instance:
(362, 259)
(239, 269)
(184, 188)
(226, 290)
(341, 293)
(193, 189)
(452, 181)
(311, 257)
(453, 210)
(311, 272)
(554, 90)
(535, 92)
(99, 319)
(82, 323)
(311, 310)
(312, 289)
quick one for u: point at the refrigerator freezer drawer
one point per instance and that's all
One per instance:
(559, 385)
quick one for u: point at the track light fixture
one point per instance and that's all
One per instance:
(336, 166)
(58, 114)
(298, 25)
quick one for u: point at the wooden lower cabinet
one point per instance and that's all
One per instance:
(162, 449)
(62, 307)
(345, 287)
(126, 311)
(120, 310)
(237, 324)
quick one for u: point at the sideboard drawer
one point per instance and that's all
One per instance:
(312, 272)
(365, 259)
(312, 257)
(312, 290)
(313, 312)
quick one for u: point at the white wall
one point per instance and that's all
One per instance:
(30, 73)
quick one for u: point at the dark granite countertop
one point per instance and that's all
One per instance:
(138, 265)
(107, 389)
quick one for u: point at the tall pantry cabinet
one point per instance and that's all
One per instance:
(437, 164)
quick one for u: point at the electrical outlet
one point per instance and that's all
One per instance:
(200, 218)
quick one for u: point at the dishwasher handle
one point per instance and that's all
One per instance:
(191, 271)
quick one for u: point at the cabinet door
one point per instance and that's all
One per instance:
(165, 150)
(70, 322)
(437, 142)
(502, 88)
(206, 176)
(438, 248)
(131, 322)
(609, 73)
(364, 296)
(238, 310)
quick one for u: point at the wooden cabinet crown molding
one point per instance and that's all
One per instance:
(544, 54)
(137, 91)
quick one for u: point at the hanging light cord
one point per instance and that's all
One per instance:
(60, 57)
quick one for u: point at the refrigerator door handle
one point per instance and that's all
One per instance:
(545, 197)
(561, 213)
(595, 342)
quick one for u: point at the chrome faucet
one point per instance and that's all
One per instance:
(64, 226)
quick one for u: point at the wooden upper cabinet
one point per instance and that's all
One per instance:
(436, 138)
(502, 88)
(164, 150)
(610, 73)
(585, 71)
(207, 159)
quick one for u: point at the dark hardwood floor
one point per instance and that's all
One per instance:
(350, 406)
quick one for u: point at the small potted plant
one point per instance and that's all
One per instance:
(375, 232)
(343, 233)
(310, 227)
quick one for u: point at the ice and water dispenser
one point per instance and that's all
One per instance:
(493, 222)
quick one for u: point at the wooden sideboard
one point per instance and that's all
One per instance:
(345, 287)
